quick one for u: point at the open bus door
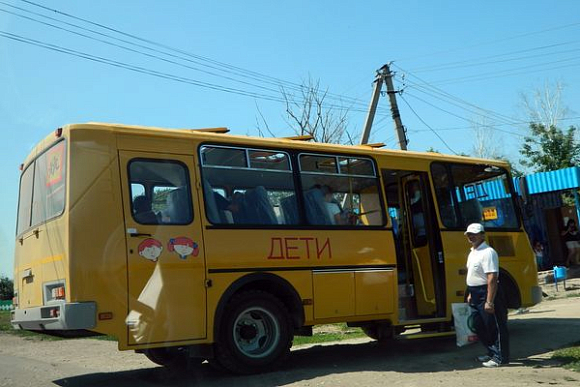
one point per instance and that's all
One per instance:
(420, 259)
(165, 255)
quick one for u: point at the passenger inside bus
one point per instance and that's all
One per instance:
(314, 202)
(143, 212)
(335, 212)
(178, 210)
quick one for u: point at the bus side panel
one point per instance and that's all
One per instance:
(516, 257)
(455, 249)
(97, 242)
(324, 252)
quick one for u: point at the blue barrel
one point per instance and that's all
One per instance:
(559, 272)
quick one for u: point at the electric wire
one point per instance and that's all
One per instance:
(200, 60)
(144, 70)
(479, 61)
(437, 53)
(509, 72)
(460, 117)
(428, 126)
(460, 103)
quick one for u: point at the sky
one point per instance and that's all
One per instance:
(196, 64)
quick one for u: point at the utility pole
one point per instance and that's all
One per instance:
(385, 75)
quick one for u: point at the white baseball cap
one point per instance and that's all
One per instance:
(474, 228)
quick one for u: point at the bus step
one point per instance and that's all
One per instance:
(425, 335)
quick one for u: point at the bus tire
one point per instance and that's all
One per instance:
(255, 333)
(379, 332)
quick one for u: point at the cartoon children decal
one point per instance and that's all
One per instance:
(183, 247)
(151, 249)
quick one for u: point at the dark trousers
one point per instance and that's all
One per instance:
(491, 328)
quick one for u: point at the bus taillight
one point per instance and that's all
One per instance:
(58, 293)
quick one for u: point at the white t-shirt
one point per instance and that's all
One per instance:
(481, 260)
(332, 209)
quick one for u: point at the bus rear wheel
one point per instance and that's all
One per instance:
(255, 333)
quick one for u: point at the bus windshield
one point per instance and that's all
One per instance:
(42, 188)
(474, 193)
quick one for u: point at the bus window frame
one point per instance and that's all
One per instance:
(65, 188)
(248, 167)
(294, 164)
(188, 186)
(451, 184)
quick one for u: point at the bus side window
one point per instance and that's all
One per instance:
(247, 186)
(160, 192)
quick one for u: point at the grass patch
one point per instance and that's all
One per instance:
(570, 357)
(330, 332)
(5, 321)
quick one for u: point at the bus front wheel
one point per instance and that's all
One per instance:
(255, 333)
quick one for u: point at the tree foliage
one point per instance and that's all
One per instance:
(6, 288)
(549, 148)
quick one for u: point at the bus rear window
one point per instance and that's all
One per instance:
(42, 188)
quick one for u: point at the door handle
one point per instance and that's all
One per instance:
(134, 233)
(139, 234)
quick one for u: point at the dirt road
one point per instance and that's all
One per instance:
(89, 362)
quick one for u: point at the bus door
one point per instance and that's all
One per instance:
(422, 245)
(165, 255)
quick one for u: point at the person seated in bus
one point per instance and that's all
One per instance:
(316, 212)
(258, 207)
(229, 210)
(335, 213)
(178, 208)
(142, 211)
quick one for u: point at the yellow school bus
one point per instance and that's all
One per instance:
(200, 245)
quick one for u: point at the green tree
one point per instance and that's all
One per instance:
(549, 148)
(6, 288)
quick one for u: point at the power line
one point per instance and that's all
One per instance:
(427, 125)
(438, 53)
(469, 62)
(456, 115)
(509, 72)
(144, 70)
(200, 60)
(456, 101)
(138, 69)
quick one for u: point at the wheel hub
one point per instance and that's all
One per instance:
(248, 332)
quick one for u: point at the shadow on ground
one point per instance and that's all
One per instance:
(529, 337)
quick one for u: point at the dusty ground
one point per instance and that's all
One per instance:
(534, 335)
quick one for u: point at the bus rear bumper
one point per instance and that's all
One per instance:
(62, 316)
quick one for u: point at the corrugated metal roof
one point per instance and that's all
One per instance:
(559, 180)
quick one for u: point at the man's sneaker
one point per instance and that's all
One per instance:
(491, 364)
(483, 358)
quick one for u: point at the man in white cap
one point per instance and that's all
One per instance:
(483, 295)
